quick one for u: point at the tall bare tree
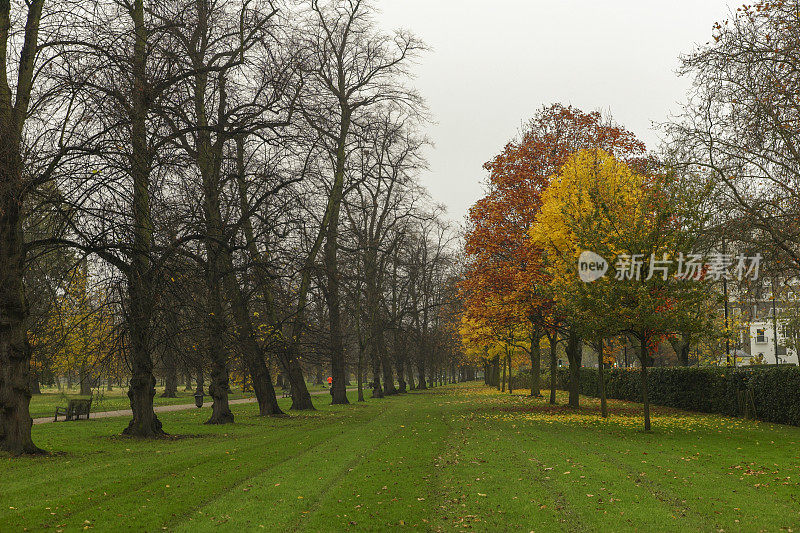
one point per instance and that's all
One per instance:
(740, 125)
(350, 67)
(15, 422)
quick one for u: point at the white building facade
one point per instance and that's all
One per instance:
(762, 343)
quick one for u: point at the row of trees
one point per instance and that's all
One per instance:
(724, 186)
(234, 184)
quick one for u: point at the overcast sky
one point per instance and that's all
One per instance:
(494, 63)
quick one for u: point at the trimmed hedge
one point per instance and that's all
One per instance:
(522, 379)
(775, 390)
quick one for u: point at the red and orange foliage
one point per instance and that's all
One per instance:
(504, 280)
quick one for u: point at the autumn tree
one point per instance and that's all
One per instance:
(80, 329)
(504, 268)
(601, 205)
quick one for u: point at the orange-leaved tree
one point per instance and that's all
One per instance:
(505, 284)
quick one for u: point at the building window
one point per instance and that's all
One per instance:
(761, 337)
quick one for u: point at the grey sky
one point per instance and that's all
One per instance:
(494, 63)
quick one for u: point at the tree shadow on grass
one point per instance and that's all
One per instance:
(160, 438)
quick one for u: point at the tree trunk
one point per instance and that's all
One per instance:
(510, 385)
(219, 389)
(536, 362)
(301, 398)
(399, 361)
(145, 423)
(15, 353)
(683, 354)
(644, 360)
(503, 381)
(254, 356)
(35, 384)
(494, 372)
(401, 380)
(575, 355)
(170, 376)
(360, 372)
(85, 380)
(262, 381)
(200, 380)
(601, 378)
(553, 366)
(377, 390)
(15, 395)
(339, 392)
(388, 378)
(421, 384)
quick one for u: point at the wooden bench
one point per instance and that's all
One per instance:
(74, 410)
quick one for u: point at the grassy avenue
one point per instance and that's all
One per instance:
(454, 458)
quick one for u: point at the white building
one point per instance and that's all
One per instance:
(762, 343)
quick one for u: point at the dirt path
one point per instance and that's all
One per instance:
(163, 408)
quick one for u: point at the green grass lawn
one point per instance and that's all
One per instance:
(455, 458)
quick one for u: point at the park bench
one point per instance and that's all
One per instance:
(75, 409)
(287, 392)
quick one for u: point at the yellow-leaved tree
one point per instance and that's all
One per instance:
(79, 330)
(594, 197)
(600, 213)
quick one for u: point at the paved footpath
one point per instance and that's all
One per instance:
(164, 408)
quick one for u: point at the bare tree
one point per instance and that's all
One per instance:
(350, 67)
(217, 39)
(382, 202)
(740, 125)
(38, 117)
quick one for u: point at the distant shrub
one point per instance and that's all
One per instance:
(775, 391)
(522, 379)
